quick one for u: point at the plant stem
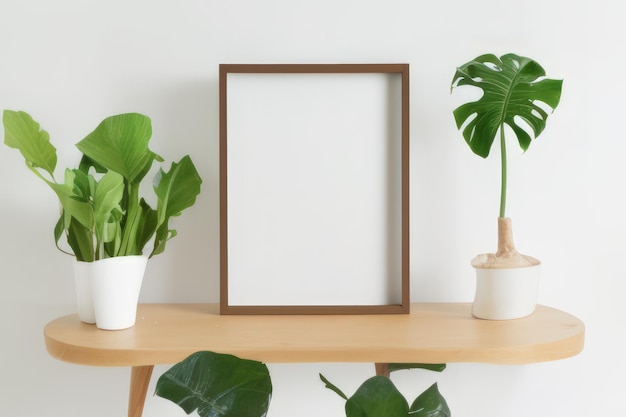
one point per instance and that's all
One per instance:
(128, 245)
(503, 180)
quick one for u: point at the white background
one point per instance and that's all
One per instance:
(71, 63)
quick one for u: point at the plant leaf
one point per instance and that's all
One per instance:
(218, 385)
(106, 199)
(80, 240)
(436, 367)
(176, 190)
(113, 240)
(512, 85)
(120, 143)
(23, 133)
(377, 397)
(82, 184)
(430, 403)
(72, 206)
(147, 224)
(59, 229)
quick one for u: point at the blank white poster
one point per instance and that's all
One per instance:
(314, 189)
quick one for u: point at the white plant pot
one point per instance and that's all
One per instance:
(506, 293)
(115, 285)
(84, 300)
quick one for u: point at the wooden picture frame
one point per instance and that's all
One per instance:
(314, 188)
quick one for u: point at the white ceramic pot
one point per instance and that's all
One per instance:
(115, 286)
(506, 293)
(84, 300)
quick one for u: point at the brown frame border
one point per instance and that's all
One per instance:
(403, 70)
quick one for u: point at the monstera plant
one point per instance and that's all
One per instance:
(102, 214)
(378, 396)
(215, 384)
(516, 99)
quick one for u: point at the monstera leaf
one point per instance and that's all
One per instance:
(512, 85)
(218, 385)
(430, 403)
(377, 397)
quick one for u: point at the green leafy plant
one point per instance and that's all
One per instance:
(222, 385)
(513, 88)
(378, 396)
(102, 214)
(217, 385)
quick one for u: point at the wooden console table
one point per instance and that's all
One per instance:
(431, 333)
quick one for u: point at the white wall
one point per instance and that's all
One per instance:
(70, 63)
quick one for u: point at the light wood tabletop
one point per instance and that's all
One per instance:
(431, 333)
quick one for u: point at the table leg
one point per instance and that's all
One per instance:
(139, 381)
(382, 369)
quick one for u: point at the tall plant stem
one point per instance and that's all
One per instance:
(129, 241)
(503, 180)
